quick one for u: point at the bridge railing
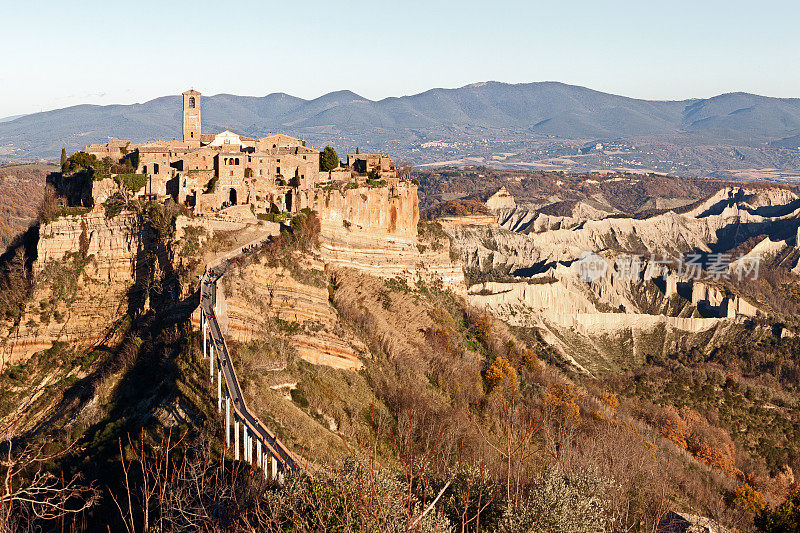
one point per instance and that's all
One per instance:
(260, 446)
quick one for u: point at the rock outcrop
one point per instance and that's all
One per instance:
(84, 275)
(258, 294)
(535, 261)
(502, 199)
(374, 230)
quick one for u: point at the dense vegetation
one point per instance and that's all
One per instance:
(455, 423)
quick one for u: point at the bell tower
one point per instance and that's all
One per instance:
(191, 116)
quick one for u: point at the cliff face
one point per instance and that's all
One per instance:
(257, 294)
(535, 256)
(391, 211)
(374, 230)
(84, 272)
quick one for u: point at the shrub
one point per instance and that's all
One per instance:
(785, 518)
(499, 371)
(306, 227)
(132, 182)
(114, 205)
(747, 498)
(79, 161)
(560, 503)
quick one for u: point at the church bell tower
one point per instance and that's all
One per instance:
(191, 116)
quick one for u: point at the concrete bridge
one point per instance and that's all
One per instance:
(252, 440)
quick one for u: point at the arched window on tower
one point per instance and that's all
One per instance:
(191, 102)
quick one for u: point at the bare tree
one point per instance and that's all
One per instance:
(32, 495)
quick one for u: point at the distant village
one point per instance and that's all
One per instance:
(228, 172)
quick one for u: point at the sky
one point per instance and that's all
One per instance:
(55, 54)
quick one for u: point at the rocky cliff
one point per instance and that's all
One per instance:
(265, 300)
(526, 270)
(84, 275)
(374, 230)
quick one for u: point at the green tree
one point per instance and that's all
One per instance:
(80, 161)
(328, 159)
(785, 518)
(63, 159)
(102, 169)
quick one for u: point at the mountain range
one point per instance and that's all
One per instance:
(528, 118)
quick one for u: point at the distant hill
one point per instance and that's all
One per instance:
(542, 112)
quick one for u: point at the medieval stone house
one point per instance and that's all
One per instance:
(276, 173)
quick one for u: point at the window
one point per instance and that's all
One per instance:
(231, 172)
(191, 102)
(191, 134)
(304, 157)
(237, 161)
(278, 170)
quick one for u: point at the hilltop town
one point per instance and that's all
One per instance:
(228, 172)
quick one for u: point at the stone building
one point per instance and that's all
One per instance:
(209, 172)
(381, 165)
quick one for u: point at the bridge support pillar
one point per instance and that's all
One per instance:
(236, 439)
(259, 458)
(227, 422)
(219, 391)
(205, 327)
(274, 469)
(211, 366)
(246, 443)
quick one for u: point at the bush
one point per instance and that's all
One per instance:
(306, 227)
(785, 518)
(560, 503)
(132, 182)
(114, 205)
(79, 161)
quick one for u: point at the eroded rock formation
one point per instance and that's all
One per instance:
(86, 270)
(374, 230)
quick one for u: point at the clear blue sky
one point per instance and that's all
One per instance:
(56, 53)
